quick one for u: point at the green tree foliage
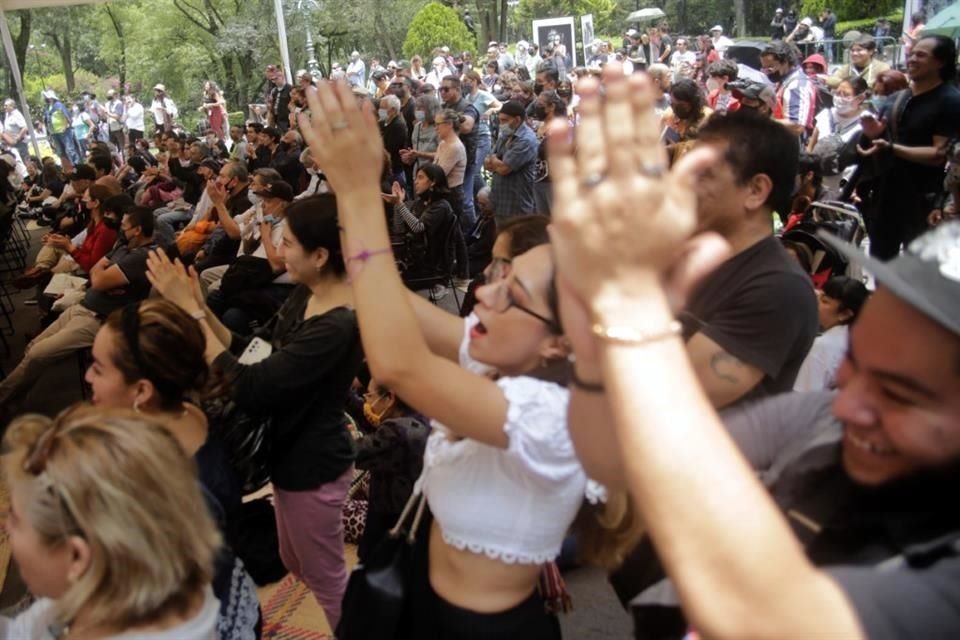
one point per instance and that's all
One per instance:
(851, 9)
(436, 25)
(606, 16)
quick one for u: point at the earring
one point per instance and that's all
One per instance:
(136, 406)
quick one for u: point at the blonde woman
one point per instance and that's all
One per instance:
(95, 490)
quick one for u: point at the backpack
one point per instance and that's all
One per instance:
(834, 152)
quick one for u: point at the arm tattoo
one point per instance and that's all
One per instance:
(725, 366)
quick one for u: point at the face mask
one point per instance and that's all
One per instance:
(254, 199)
(506, 131)
(564, 93)
(682, 112)
(774, 75)
(844, 104)
(713, 84)
(382, 114)
(420, 115)
(467, 87)
(537, 88)
(398, 91)
(375, 419)
(112, 223)
(539, 113)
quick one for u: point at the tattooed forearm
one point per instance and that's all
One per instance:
(726, 367)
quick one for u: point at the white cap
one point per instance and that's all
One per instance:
(779, 10)
(523, 44)
(630, 33)
(445, 49)
(716, 27)
(807, 21)
(439, 60)
(159, 87)
(392, 64)
(48, 94)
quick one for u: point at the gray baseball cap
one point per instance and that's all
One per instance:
(926, 276)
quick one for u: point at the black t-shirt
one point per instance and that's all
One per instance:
(133, 264)
(469, 139)
(409, 112)
(934, 113)
(280, 106)
(760, 307)
(394, 139)
(302, 385)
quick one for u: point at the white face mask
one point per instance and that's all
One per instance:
(254, 199)
(713, 84)
(844, 104)
(420, 115)
(382, 114)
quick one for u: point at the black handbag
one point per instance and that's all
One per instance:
(375, 599)
(245, 439)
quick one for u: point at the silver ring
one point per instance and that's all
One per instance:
(652, 170)
(340, 124)
(593, 180)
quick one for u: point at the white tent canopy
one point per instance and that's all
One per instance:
(13, 5)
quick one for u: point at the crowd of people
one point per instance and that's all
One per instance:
(667, 364)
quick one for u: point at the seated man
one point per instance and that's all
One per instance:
(117, 279)
(66, 215)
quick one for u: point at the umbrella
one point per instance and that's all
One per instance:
(646, 15)
(746, 52)
(945, 23)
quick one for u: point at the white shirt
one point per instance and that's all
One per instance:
(38, 623)
(682, 62)
(828, 120)
(356, 71)
(134, 117)
(14, 122)
(722, 43)
(819, 369)
(250, 228)
(516, 504)
(157, 107)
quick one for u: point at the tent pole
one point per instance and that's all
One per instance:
(15, 69)
(282, 32)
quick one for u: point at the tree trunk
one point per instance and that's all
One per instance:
(122, 71)
(20, 46)
(740, 17)
(504, 8)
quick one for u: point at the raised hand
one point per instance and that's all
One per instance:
(343, 137)
(171, 280)
(622, 221)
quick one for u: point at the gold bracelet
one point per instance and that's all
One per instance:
(629, 335)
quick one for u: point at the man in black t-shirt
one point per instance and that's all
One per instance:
(911, 135)
(278, 108)
(751, 322)
(118, 279)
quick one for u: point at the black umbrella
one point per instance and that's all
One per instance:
(746, 52)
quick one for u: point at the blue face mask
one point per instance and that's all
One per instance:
(420, 115)
(506, 131)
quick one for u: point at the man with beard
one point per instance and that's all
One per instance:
(285, 155)
(278, 105)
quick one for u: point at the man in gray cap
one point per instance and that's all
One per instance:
(513, 163)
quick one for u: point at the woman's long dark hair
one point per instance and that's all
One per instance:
(439, 190)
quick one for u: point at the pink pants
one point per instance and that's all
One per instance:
(310, 529)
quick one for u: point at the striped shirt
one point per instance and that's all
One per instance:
(797, 99)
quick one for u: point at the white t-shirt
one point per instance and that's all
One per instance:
(819, 369)
(134, 118)
(828, 120)
(249, 227)
(14, 123)
(682, 63)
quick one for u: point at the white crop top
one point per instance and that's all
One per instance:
(515, 504)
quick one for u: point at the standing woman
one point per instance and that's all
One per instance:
(547, 106)
(314, 354)
(215, 107)
(451, 156)
(92, 491)
(416, 68)
(500, 473)
(82, 124)
(423, 140)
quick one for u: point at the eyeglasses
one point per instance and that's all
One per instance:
(503, 301)
(445, 89)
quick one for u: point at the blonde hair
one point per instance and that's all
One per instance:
(123, 484)
(607, 532)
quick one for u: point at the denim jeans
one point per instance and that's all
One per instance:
(469, 217)
(484, 144)
(65, 145)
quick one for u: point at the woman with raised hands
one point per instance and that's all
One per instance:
(109, 530)
(297, 371)
(500, 474)
(737, 567)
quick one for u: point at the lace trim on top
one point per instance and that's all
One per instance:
(493, 553)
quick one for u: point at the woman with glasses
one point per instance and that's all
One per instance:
(500, 476)
(96, 490)
(837, 129)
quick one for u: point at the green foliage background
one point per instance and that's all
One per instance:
(437, 25)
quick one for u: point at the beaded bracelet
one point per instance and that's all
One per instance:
(366, 254)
